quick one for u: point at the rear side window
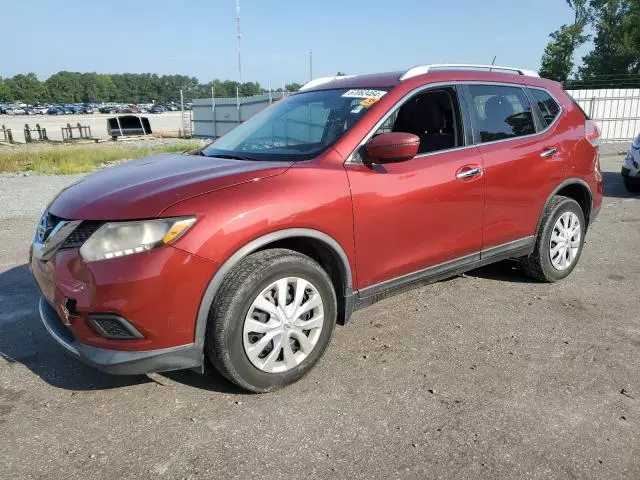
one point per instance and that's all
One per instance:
(547, 105)
(501, 112)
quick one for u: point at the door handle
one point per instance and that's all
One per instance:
(471, 172)
(549, 153)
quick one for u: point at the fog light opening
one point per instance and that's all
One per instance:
(113, 327)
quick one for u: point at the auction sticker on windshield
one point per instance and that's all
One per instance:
(363, 93)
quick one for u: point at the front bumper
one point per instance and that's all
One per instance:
(157, 292)
(119, 362)
(631, 165)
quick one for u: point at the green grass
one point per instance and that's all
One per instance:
(64, 160)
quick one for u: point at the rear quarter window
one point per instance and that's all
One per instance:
(547, 105)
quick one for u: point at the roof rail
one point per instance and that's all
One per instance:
(421, 69)
(319, 81)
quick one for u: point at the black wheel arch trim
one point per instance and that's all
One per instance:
(563, 184)
(257, 244)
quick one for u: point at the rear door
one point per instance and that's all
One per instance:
(522, 156)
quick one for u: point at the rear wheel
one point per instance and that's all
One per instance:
(272, 320)
(559, 243)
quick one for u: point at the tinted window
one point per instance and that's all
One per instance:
(547, 105)
(433, 116)
(501, 112)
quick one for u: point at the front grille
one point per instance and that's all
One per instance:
(47, 223)
(81, 234)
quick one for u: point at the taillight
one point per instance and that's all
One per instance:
(592, 133)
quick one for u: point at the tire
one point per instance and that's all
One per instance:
(539, 264)
(632, 186)
(227, 341)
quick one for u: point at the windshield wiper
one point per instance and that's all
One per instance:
(232, 157)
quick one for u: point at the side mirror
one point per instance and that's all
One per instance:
(393, 147)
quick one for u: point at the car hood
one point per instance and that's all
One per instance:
(144, 188)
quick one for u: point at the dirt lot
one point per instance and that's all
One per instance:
(168, 121)
(488, 375)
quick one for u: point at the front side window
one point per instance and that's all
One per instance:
(501, 112)
(547, 105)
(434, 116)
(298, 127)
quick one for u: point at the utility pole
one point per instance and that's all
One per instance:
(238, 37)
(310, 65)
(238, 103)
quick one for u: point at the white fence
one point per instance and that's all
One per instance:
(615, 110)
(214, 117)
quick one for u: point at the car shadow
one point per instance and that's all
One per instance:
(211, 380)
(24, 340)
(504, 271)
(614, 186)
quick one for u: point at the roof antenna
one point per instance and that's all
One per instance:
(493, 62)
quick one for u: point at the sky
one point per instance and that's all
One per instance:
(197, 37)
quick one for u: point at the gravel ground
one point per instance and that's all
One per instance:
(488, 375)
(168, 121)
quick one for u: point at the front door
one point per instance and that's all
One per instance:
(423, 212)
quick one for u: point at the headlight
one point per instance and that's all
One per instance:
(117, 239)
(636, 143)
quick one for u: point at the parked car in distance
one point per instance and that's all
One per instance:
(631, 167)
(107, 109)
(88, 110)
(157, 109)
(126, 109)
(249, 251)
(40, 110)
(56, 111)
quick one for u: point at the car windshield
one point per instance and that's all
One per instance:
(298, 127)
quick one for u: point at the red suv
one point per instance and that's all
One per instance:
(355, 188)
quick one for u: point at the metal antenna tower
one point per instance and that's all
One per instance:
(238, 36)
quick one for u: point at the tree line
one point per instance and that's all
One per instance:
(614, 60)
(75, 87)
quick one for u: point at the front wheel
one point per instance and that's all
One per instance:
(272, 320)
(559, 243)
(632, 186)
